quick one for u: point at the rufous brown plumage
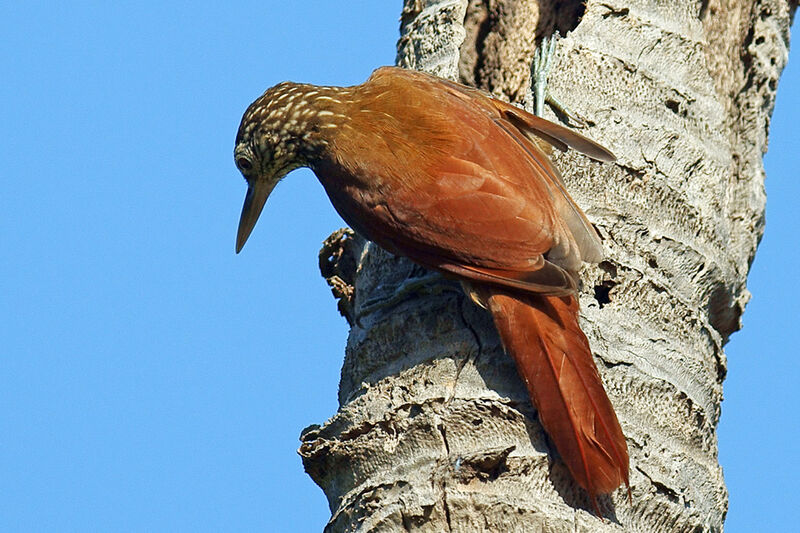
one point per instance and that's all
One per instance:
(458, 182)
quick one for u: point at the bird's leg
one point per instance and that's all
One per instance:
(428, 283)
(540, 69)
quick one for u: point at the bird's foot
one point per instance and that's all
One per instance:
(540, 70)
(429, 283)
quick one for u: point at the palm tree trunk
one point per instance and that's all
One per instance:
(435, 431)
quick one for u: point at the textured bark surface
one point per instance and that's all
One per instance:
(435, 431)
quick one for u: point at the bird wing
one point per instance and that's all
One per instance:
(479, 199)
(533, 126)
(527, 128)
(527, 131)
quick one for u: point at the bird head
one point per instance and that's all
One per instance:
(273, 139)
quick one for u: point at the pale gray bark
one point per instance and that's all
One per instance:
(435, 431)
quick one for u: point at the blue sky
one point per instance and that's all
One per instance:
(150, 379)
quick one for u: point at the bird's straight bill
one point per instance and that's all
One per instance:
(254, 200)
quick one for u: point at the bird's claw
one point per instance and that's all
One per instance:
(540, 70)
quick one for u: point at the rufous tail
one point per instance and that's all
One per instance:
(553, 358)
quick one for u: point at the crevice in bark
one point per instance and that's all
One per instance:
(440, 477)
(501, 37)
(614, 364)
(703, 9)
(661, 488)
(560, 16)
(485, 466)
(443, 432)
(723, 312)
(477, 26)
(611, 11)
(446, 509)
(602, 293)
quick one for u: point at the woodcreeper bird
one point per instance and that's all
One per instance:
(460, 183)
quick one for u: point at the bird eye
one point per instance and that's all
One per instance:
(244, 164)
